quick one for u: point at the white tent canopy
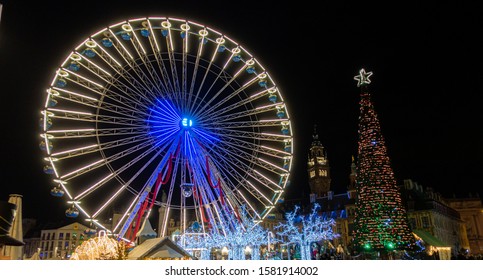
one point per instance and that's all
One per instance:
(158, 248)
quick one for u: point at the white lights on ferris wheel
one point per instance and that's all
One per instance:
(165, 112)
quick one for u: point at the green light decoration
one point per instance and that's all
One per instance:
(381, 219)
(390, 246)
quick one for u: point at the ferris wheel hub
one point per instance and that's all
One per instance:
(186, 122)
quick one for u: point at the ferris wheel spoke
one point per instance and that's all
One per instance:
(121, 169)
(241, 103)
(237, 106)
(84, 150)
(167, 204)
(92, 132)
(234, 134)
(249, 145)
(156, 50)
(201, 86)
(93, 103)
(155, 82)
(143, 79)
(247, 202)
(100, 89)
(172, 63)
(131, 90)
(201, 42)
(263, 180)
(236, 155)
(103, 162)
(184, 64)
(250, 124)
(139, 171)
(90, 117)
(228, 80)
(243, 114)
(208, 193)
(267, 165)
(229, 171)
(222, 75)
(274, 152)
(125, 214)
(213, 107)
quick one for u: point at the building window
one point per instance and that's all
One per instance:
(351, 228)
(61, 235)
(350, 211)
(67, 236)
(425, 221)
(323, 173)
(412, 223)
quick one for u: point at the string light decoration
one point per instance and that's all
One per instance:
(242, 232)
(198, 243)
(381, 219)
(305, 230)
(101, 247)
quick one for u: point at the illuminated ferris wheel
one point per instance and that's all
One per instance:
(170, 113)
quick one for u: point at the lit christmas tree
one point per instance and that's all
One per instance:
(381, 220)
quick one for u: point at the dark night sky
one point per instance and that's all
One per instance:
(427, 84)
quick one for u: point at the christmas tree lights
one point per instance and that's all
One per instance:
(381, 221)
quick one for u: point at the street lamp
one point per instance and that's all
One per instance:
(224, 252)
(248, 251)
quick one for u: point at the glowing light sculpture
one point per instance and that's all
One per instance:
(305, 229)
(101, 247)
(243, 232)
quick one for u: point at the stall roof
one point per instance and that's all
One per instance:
(429, 238)
(162, 247)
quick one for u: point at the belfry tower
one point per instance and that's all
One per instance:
(318, 167)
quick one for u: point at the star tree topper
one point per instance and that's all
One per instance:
(363, 78)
